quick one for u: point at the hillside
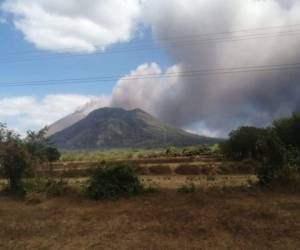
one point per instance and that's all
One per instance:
(108, 128)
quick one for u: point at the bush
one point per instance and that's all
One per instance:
(196, 150)
(50, 187)
(172, 152)
(113, 181)
(55, 188)
(150, 190)
(34, 198)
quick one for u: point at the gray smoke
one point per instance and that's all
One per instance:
(221, 102)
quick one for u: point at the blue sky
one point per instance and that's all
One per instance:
(16, 66)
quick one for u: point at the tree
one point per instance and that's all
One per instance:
(288, 130)
(41, 149)
(14, 158)
(242, 143)
(17, 156)
(273, 156)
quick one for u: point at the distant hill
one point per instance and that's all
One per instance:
(108, 128)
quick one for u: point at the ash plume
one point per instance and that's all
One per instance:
(220, 102)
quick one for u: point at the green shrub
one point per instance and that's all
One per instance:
(150, 190)
(48, 186)
(113, 181)
(55, 188)
(195, 150)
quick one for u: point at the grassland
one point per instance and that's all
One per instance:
(224, 209)
(167, 220)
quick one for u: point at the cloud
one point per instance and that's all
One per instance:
(26, 112)
(74, 25)
(144, 88)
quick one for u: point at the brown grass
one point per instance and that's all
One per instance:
(173, 182)
(160, 170)
(188, 170)
(167, 220)
(84, 169)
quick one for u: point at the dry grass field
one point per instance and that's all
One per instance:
(160, 221)
(201, 165)
(174, 182)
(224, 211)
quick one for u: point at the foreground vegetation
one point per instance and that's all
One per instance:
(20, 157)
(243, 194)
(127, 154)
(276, 147)
(169, 220)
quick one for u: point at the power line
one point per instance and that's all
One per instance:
(192, 73)
(190, 36)
(137, 49)
(185, 38)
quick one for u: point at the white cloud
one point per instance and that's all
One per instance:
(144, 88)
(26, 112)
(74, 25)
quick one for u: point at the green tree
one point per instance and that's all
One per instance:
(14, 158)
(41, 149)
(288, 130)
(242, 143)
(273, 156)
